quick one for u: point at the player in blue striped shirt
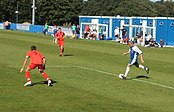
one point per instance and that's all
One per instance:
(134, 52)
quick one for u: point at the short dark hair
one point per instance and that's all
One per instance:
(131, 42)
(33, 47)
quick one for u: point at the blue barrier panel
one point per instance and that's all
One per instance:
(13, 26)
(1, 25)
(36, 28)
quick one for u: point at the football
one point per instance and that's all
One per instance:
(120, 76)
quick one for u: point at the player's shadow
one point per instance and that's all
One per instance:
(43, 82)
(66, 55)
(142, 77)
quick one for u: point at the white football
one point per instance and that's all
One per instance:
(120, 76)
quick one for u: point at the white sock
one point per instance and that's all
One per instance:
(142, 67)
(127, 71)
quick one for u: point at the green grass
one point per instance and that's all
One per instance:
(85, 78)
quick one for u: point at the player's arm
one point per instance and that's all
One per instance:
(140, 54)
(56, 35)
(63, 35)
(141, 58)
(25, 62)
(126, 53)
(43, 62)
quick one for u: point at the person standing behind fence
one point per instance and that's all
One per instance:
(77, 31)
(73, 27)
(60, 40)
(7, 25)
(87, 31)
(117, 34)
(161, 43)
(45, 30)
(124, 35)
(55, 29)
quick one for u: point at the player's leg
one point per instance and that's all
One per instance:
(55, 41)
(132, 62)
(27, 74)
(46, 77)
(61, 49)
(127, 70)
(53, 38)
(142, 67)
(59, 44)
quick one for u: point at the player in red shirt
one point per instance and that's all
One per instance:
(60, 37)
(36, 60)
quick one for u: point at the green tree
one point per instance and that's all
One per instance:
(7, 10)
(165, 9)
(67, 11)
(119, 7)
(25, 10)
(9, 7)
(58, 11)
(2, 17)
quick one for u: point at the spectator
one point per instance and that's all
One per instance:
(136, 38)
(124, 37)
(153, 43)
(161, 43)
(140, 38)
(117, 34)
(73, 27)
(7, 25)
(104, 35)
(87, 30)
(77, 31)
(94, 36)
(45, 30)
(101, 33)
(146, 43)
(55, 29)
(148, 36)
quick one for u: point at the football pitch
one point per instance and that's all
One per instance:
(85, 79)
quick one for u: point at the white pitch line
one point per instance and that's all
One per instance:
(81, 67)
(148, 82)
(96, 70)
(156, 84)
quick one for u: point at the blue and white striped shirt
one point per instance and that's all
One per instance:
(134, 52)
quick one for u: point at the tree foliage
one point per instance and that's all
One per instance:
(58, 11)
(67, 11)
(119, 7)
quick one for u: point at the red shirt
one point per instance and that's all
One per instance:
(35, 56)
(87, 28)
(60, 35)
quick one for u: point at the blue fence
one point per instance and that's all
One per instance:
(35, 28)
